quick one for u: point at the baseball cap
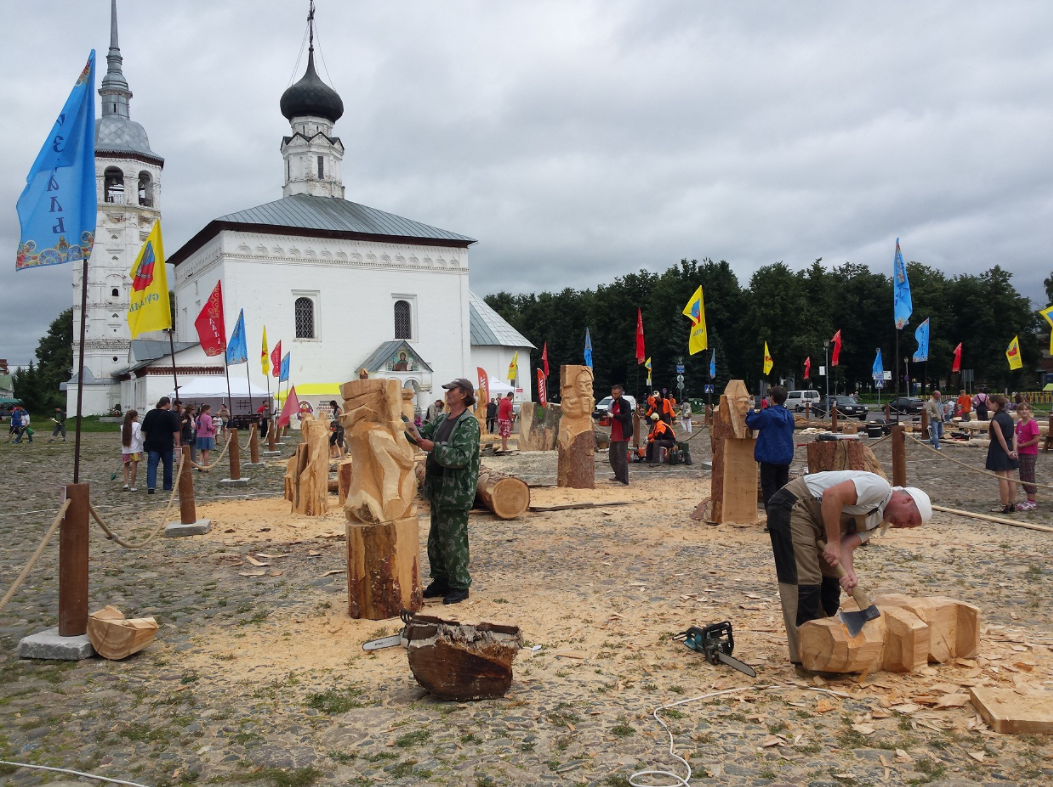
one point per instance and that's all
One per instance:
(461, 382)
(921, 500)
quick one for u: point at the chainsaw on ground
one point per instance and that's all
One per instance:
(394, 639)
(716, 643)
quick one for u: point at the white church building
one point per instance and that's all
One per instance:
(343, 286)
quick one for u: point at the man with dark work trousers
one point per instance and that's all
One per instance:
(451, 474)
(842, 508)
(621, 431)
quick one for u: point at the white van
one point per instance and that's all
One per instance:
(795, 400)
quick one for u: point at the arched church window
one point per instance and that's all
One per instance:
(304, 309)
(403, 324)
(146, 195)
(115, 293)
(113, 180)
(321, 167)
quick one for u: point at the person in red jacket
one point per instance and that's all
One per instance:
(505, 415)
(621, 431)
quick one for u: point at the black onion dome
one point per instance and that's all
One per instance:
(311, 97)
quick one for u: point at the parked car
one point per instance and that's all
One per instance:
(847, 407)
(796, 400)
(603, 407)
(906, 405)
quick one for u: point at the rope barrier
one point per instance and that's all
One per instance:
(72, 773)
(967, 466)
(164, 515)
(36, 556)
(219, 458)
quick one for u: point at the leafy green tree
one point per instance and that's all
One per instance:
(38, 384)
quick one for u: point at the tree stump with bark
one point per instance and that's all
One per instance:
(826, 455)
(539, 426)
(462, 661)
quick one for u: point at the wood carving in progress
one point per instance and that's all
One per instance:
(576, 444)
(383, 538)
(307, 473)
(733, 488)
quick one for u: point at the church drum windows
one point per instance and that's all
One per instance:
(403, 320)
(304, 313)
(321, 167)
(146, 196)
(113, 185)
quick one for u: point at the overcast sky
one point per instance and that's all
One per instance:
(581, 140)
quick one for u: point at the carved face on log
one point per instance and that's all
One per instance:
(575, 388)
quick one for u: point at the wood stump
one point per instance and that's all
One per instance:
(462, 662)
(733, 488)
(539, 426)
(506, 496)
(576, 446)
(910, 633)
(383, 571)
(307, 472)
(116, 637)
(842, 455)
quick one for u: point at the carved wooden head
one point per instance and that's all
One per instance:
(575, 390)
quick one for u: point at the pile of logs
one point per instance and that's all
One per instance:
(909, 633)
(307, 474)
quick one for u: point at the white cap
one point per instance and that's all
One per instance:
(921, 500)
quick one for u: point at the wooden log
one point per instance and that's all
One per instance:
(116, 637)
(954, 626)
(842, 455)
(899, 456)
(506, 496)
(826, 647)
(383, 568)
(576, 445)
(539, 426)
(906, 640)
(254, 446)
(234, 455)
(1014, 711)
(344, 471)
(462, 661)
(187, 508)
(735, 474)
(73, 562)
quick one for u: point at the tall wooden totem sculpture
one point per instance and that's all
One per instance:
(733, 492)
(383, 543)
(576, 444)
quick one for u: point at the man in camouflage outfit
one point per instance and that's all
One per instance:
(452, 471)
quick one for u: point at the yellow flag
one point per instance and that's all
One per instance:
(768, 362)
(265, 360)
(1048, 314)
(696, 310)
(148, 309)
(513, 368)
(1012, 353)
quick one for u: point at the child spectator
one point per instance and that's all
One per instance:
(131, 448)
(1025, 443)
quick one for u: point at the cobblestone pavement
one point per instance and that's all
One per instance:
(261, 679)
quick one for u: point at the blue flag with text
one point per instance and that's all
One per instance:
(902, 306)
(58, 206)
(237, 347)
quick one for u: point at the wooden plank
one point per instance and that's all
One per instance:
(569, 506)
(1012, 711)
(739, 482)
(998, 519)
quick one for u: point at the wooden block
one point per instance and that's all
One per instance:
(954, 626)
(116, 637)
(739, 482)
(825, 646)
(383, 569)
(462, 661)
(906, 640)
(1014, 710)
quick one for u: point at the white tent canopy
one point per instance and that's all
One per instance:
(215, 387)
(499, 387)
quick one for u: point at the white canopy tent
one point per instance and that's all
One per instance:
(499, 387)
(213, 390)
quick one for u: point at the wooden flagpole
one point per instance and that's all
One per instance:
(80, 366)
(171, 346)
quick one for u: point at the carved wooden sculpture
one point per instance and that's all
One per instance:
(576, 444)
(116, 637)
(383, 542)
(733, 489)
(538, 426)
(307, 472)
(910, 633)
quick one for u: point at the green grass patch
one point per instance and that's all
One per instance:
(335, 700)
(623, 730)
(414, 738)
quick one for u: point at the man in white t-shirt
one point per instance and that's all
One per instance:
(842, 508)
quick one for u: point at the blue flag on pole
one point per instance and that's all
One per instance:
(284, 374)
(588, 349)
(713, 364)
(902, 306)
(58, 206)
(922, 335)
(879, 369)
(237, 349)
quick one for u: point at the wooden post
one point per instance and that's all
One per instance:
(833, 417)
(187, 508)
(807, 411)
(235, 456)
(899, 455)
(709, 414)
(254, 446)
(888, 412)
(1049, 434)
(636, 429)
(924, 423)
(270, 436)
(73, 563)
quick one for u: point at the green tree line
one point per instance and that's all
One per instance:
(794, 312)
(37, 385)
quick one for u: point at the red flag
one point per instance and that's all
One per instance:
(210, 330)
(807, 367)
(837, 348)
(276, 360)
(541, 397)
(544, 358)
(640, 354)
(957, 365)
(290, 408)
(484, 385)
